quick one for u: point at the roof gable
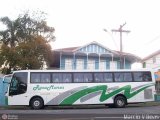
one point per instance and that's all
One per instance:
(93, 47)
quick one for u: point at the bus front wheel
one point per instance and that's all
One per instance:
(120, 102)
(37, 103)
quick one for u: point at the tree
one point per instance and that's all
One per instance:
(33, 54)
(34, 26)
(8, 57)
(26, 42)
(8, 36)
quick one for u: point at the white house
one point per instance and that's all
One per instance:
(152, 60)
(92, 56)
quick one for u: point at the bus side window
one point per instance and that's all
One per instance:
(45, 78)
(35, 78)
(78, 77)
(88, 77)
(108, 77)
(118, 77)
(127, 77)
(56, 77)
(98, 77)
(147, 76)
(67, 77)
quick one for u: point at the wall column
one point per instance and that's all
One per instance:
(124, 62)
(112, 57)
(60, 60)
(87, 61)
(99, 60)
(74, 62)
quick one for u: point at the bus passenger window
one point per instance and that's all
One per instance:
(78, 77)
(88, 77)
(98, 77)
(45, 78)
(147, 76)
(123, 77)
(108, 77)
(118, 77)
(56, 77)
(137, 76)
(127, 77)
(67, 77)
(35, 78)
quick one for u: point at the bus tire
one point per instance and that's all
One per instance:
(120, 102)
(37, 103)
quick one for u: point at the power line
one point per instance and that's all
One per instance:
(157, 37)
(120, 30)
(111, 37)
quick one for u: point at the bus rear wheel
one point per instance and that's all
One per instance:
(120, 102)
(37, 103)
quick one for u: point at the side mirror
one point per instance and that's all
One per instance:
(7, 79)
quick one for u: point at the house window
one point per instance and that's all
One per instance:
(68, 64)
(91, 64)
(113, 65)
(80, 64)
(102, 64)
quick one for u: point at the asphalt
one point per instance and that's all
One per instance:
(145, 111)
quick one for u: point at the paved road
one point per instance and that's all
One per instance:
(94, 113)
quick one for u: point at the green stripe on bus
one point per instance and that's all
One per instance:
(104, 96)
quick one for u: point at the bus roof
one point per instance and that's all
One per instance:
(114, 70)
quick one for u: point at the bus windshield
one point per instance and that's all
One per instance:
(18, 83)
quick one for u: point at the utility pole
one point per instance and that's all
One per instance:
(120, 30)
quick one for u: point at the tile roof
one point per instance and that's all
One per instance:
(73, 49)
(69, 49)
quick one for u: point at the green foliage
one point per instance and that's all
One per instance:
(25, 42)
(9, 36)
(33, 54)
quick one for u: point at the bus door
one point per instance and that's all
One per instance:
(17, 89)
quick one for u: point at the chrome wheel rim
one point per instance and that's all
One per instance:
(36, 103)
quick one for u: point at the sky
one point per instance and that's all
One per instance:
(79, 22)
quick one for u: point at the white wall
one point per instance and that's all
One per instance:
(151, 64)
(136, 65)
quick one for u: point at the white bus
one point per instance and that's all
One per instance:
(39, 88)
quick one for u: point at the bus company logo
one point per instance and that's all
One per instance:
(4, 116)
(48, 88)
